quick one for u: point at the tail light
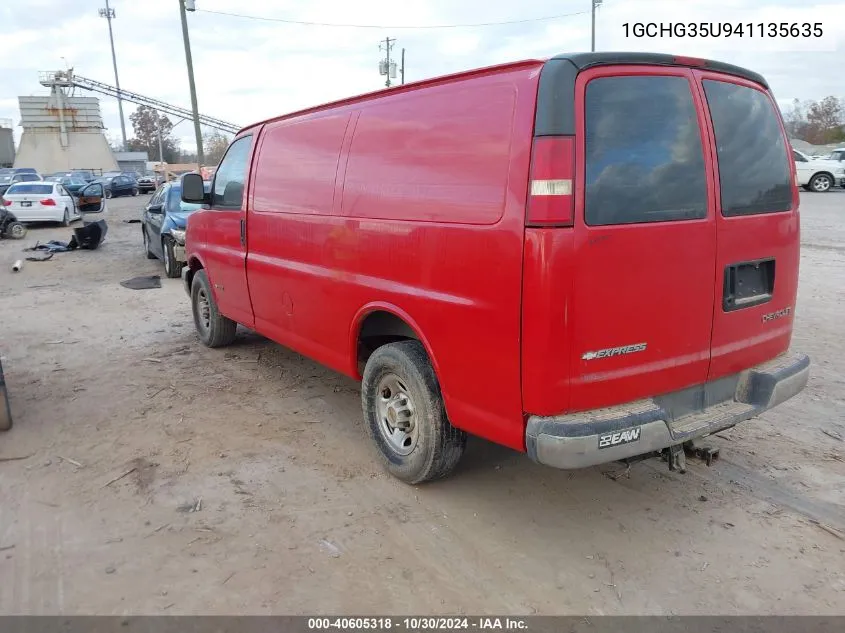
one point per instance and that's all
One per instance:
(48, 202)
(551, 201)
(7, 203)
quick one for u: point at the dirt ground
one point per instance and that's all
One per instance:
(252, 488)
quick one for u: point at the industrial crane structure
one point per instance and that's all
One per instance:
(67, 79)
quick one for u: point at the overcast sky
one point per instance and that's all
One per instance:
(248, 70)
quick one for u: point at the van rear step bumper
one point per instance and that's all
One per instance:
(583, 439)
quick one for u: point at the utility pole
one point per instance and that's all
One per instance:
(386, 67)
(596, 4)
(109, 14)
(160, 144)
(402, 67)
(189, 6)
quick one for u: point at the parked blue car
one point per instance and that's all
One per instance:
(163, 224)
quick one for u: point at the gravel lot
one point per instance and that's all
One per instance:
(293, 514)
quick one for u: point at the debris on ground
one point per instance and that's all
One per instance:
(46, 258)
(834, 434)
(146, 282)
(829, 529)
(16, 458)
(331, 548)
(119, 477)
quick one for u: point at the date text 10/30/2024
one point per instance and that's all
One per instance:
(418, 624)
(724, 29)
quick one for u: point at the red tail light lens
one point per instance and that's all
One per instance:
(7, 203)
(48, 202)
(551, 200)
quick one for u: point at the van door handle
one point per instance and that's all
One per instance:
(243, 232)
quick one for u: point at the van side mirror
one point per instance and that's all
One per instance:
(193, 190)
(91, 199)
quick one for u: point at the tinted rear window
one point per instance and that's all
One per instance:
(36, 189)
(644, 160)
(754, 168)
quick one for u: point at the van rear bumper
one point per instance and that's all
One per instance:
(583, 439)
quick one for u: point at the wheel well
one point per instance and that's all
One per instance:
(193, 266)
(379, 328)
(826, 173)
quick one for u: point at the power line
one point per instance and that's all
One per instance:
(387, 26)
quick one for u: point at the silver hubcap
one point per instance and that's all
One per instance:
(397, 415)
(17, 230)
(203, 310)
(821, 184)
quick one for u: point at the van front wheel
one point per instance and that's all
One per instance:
(405, 416)
(213, 329)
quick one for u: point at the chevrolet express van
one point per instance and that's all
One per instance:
(588, 258)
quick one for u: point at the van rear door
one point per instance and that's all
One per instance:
(643, 287)
(757, 241)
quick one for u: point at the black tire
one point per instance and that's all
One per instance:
(821, 183)
(109, 194)
(438, 446)
(213, 329)
(147, 251)
(134, 191)
(66, 218)
(15, 231)
(5, 410)
(172, 267)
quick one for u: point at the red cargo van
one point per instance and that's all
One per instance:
(588, 258)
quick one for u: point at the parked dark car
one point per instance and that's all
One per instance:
(73, 184)
(18, 170)
(118, 186)
(9, 179)
(85, 174)
(163, 225)
(148, 183)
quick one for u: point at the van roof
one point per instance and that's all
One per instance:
(587, 60)
(569, 63)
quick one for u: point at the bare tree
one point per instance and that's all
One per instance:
(825, 119)
(215, 145)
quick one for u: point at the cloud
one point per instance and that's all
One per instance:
(248, 70)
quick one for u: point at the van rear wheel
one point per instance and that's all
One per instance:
(405, 416)
(213, 329)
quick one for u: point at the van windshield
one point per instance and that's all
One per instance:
(754, 168)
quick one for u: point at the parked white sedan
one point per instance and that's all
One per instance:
(41, 202)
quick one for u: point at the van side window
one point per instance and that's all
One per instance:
(644, 158)
(754, 168)
(229, 178)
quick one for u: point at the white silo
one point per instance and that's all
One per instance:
(62, 132)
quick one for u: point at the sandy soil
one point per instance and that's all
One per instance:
(252, 488)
